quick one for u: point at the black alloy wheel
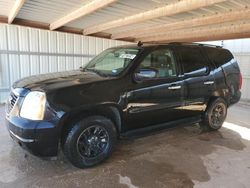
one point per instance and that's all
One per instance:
(90, 141)
(218, 115)
(93, 141)
(214, 115)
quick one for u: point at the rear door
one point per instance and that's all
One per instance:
(198, 77)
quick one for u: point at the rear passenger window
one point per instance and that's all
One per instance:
(219, 56)
(192, 60)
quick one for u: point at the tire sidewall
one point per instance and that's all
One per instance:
(70, 146)
(209, 112)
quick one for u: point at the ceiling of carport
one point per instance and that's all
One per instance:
(130, 20)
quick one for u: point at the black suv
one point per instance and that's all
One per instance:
(123, 91)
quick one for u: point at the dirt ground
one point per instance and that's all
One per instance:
(182, 157)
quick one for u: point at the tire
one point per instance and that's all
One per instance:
(90, 141)
(215, 115)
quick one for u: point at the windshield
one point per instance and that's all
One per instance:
(112, 62)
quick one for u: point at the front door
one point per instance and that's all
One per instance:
(156, 95)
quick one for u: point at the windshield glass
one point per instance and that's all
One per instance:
(112, 62)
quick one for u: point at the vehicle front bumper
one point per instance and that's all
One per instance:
(38, 137)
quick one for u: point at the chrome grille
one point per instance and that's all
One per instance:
(12, 101)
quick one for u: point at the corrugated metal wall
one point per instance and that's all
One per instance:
(241, 51)
(26, 51)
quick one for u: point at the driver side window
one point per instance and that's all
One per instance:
(161, 62)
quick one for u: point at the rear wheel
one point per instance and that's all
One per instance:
(215, 115)
(90, 141)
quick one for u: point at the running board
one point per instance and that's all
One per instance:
(160, 127)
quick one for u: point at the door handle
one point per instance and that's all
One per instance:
(174, 87)
(208, 82)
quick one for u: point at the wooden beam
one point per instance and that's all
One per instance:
(3, 19)
(29, 23)
(208, 32)
(40, 25)
(210, 38)
(168, 10)
(208, 20)
(83, 11)
(14, 11)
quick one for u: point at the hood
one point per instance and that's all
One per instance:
(57, 80)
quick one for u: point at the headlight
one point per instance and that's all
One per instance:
(33, 107)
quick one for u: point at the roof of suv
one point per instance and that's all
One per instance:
(164, 44)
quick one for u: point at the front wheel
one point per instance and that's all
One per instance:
(215, 115)
(90, 141)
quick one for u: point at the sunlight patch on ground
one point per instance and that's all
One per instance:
(126, 181)
(242, 131)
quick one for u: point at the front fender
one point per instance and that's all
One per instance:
(110, 110)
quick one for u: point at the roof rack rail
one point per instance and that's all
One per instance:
(195, 44)
(180, 43)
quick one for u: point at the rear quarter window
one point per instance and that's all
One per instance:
(219, 56)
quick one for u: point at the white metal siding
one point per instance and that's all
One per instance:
(241, 50)
(27, 51)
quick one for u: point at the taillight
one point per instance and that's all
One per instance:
(240, 81)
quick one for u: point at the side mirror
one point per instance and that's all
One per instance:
(145, 74)
(200, 72)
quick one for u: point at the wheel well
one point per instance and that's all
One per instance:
(71, 118)
(216, 97)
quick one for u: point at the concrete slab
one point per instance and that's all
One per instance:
(183, 157)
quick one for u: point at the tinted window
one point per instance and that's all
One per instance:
(162, 61)
(192, 60)
(219, 56)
